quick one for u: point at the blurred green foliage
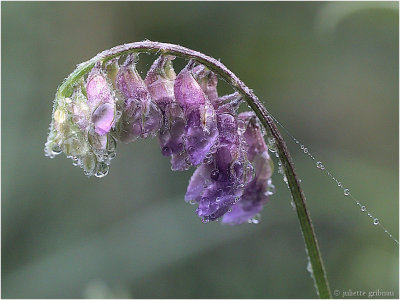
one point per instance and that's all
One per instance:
(327, 70)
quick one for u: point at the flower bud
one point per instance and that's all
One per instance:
(98, 90)
(101, 100)
(188, 92)
(140, 115)
(208, 81)
(160, 81)
(201, 128)
(172, 135)
(228, 103)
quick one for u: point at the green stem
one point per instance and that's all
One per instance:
(65, 90)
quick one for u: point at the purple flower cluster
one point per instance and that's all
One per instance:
(195, 127)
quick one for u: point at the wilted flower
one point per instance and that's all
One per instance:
(195, 127)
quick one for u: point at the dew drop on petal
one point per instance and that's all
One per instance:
(102, 170)
(214, 174)
(56, 149)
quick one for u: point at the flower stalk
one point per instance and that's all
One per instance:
(67, 88)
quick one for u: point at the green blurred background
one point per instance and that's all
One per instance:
(328, 71)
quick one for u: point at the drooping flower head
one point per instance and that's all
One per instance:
(194, 126)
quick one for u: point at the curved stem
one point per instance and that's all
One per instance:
(262, 113)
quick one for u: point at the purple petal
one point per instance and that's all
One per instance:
(98, 89)
(187, 91)
(215, 187)
(216, 201)
(152, 120)
(242, 212)
(140, 116)
(200, 180)
(227, 128)
(171, 137)
(257, 190)
(129, 127)
(208, 81)
(102, 118)
(160, 81)
(201, 133)
(129, 82)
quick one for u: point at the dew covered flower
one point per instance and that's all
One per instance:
(160, 82)
(257, 191)
(194, 125)
(201, 122)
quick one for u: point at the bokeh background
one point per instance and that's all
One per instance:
(327, 70)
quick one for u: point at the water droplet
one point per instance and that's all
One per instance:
(214, 174)
(270, 189)
(339, 184)
(166, 151)
(280, 169)
(102, 170)
(320, 165)
(255, 220)
(376, 221)
(363, 208)
(205, 221)
(346, 192)
(56, 149)
(75, 161)
(305, 150)
(208, 159)
(302, 147)
(292, 204)
(285, 179)
(309, 267)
